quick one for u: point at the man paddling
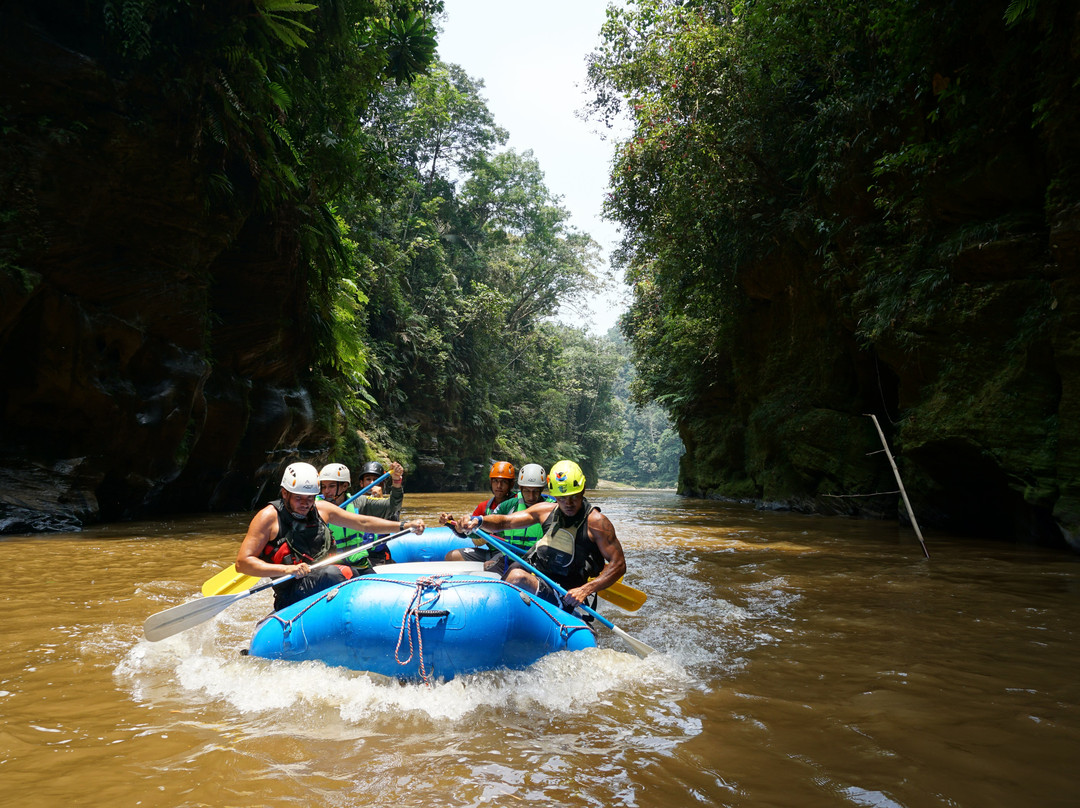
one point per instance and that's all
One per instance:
(532, 488)
(334, 482)
(292, 532)
(578, 541)
(372, 471)
(501, 479)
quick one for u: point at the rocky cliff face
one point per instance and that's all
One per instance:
(149, 339)
(979, 400)
(954, 316)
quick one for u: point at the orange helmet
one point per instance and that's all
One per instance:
(503, 470)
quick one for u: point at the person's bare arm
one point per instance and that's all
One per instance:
(334, 515)
(496, 522)
(602, 532)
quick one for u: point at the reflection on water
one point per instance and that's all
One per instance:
(803, 661)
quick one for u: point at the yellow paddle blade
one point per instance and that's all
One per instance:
(624, 596)
(228, 582)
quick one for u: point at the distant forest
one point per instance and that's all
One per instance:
(651, 447)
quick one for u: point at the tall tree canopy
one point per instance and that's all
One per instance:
(760, 128)
(464, 259)
(838, 208)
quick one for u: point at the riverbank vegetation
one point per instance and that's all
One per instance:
(839, 208)
(844, 131)
(651, 448)
(239, 232)
(465, 260)
(436, 258)
(267, 229)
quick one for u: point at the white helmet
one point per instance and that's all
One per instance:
(335, 473)
(532, 475)
(301, 478)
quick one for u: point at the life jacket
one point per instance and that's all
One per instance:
(565, 552)
(488, 508)
(345, 538)
(384, 508)
(297, 541)
(522, 538)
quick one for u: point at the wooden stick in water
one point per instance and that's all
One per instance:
(903, 492)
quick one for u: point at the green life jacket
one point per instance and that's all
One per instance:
(345, 538)
(523, 538)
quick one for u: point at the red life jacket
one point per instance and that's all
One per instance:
(297, 541)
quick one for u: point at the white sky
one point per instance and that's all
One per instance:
(531, 57)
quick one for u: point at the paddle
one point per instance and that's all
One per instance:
(622, 595)
(231, 580)
(188, 615)
(364, 490)
(640, 648)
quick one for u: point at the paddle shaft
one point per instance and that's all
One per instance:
(232, 579)
(620, 593)
(331, 559)
(187, 615)
(364, 490)
(641, 648)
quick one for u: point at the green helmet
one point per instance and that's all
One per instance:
(566, 478)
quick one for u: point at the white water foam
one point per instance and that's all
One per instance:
(205, 663)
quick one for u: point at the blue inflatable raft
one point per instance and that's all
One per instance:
(431, 545)
(421, 621)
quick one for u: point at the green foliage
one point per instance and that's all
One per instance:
(409, 44)
(853, 136)
(279, 94)
(282, 17)
(1020, 10)
(433, 262)
(438, 124)
(561, 404)
(467, 257)
(131, 19)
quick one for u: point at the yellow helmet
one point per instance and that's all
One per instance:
(566, 478)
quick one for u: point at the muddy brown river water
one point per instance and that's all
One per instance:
(803, 661)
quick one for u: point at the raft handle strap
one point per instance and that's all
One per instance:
(428, 585)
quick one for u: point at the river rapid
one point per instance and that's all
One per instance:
(802, 661)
